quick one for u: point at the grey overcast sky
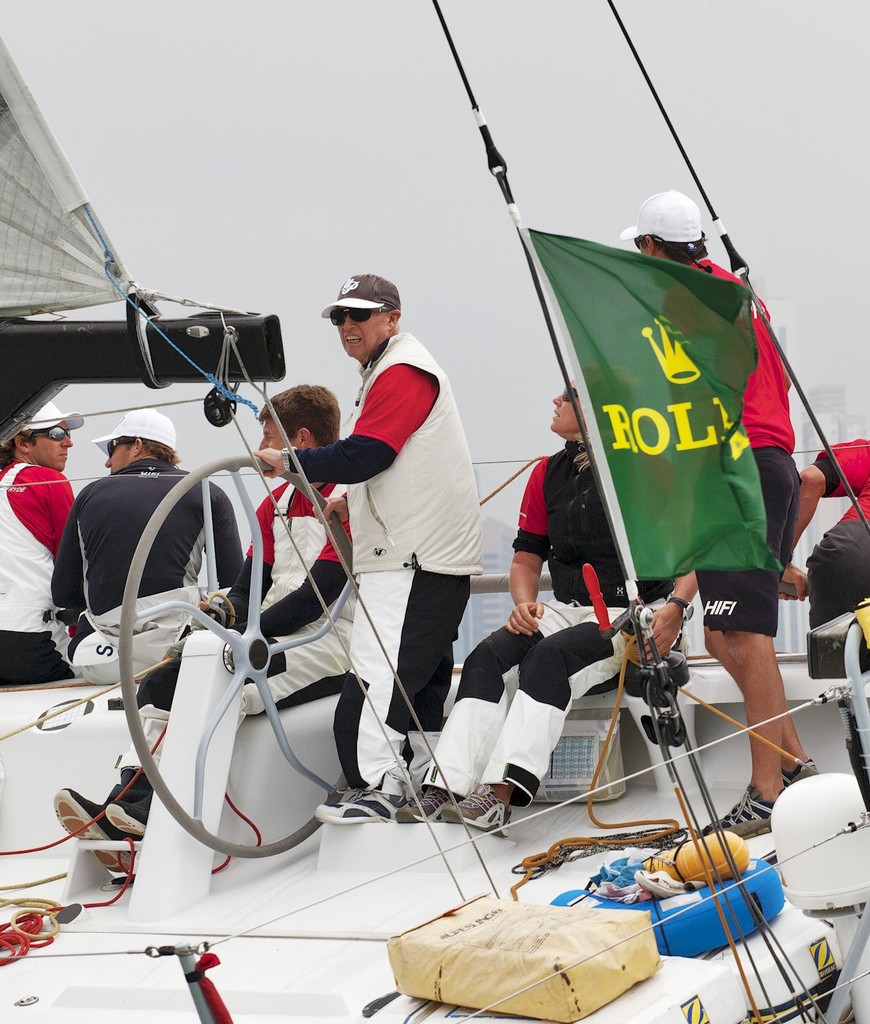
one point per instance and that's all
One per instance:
(258, 153)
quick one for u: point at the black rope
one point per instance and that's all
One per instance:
(496, 162)
(740, 267)
(738, 264)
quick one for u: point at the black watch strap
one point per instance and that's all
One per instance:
(683, 603)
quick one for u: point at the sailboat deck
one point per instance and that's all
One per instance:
(301, 936)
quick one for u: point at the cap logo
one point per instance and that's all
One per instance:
(349, 285)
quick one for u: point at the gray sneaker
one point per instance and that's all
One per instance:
(361, 807)
(480, 809)
(432, 804)
(799, 772)
(749, 817)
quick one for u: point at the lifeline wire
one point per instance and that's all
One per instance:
(413, 714)
(308, 489)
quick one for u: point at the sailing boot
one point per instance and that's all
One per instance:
(130, 816)
(86, 820)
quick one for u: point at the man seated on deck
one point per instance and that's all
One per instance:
(741, 608)
(35, 499)
(417, 541)
(309, 416)
(102, 532)
(838, 570)
(490, 757)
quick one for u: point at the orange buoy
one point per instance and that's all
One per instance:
(686, 861)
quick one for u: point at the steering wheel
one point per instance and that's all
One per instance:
(251, 654)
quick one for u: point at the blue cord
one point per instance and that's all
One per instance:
(210, 377)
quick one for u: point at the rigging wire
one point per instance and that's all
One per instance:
(210, 377)
(402, 768)
(498, 168)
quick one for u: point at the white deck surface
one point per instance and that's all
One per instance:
(301, 937)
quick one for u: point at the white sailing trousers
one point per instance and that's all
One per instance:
(490, 738)
(416, 616)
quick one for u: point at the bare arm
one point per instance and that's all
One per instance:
(668, 620)
(813, 487)
(525, 581)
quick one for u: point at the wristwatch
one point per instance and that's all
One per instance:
(687, 606)
(285, 459)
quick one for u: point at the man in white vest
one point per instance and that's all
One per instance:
(416, 528)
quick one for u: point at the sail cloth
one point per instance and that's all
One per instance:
(662, 353)
(53, 251)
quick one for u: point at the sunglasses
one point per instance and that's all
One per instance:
(52, 433)
(359, 316)
(113, 444)
(568, 393)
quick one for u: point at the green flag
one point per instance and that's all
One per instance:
(664, 351)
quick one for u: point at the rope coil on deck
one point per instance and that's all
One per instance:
(25, 929)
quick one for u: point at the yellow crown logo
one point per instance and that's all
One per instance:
(675, 364)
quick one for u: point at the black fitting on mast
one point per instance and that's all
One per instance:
(496, 162)
(739, 266)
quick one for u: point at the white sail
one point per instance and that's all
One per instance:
(53, 251)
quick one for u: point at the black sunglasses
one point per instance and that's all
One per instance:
(113, 444)
(53, 433)
(567, 393)
(359, 316)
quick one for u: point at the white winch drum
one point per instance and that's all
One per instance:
(836, 874)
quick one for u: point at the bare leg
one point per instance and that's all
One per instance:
(750, 659)
(503, 791)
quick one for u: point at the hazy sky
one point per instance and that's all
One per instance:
(258, 153)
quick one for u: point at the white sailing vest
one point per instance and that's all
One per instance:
(298, 542)
(26, 566)
(423, 512)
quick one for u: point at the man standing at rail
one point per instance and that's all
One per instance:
(416, 542)
(741, 608)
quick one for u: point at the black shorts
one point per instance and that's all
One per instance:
(748, 601)
(838, 572)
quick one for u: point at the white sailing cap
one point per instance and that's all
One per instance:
(149, 424)
(670, 216)
(50, 416)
